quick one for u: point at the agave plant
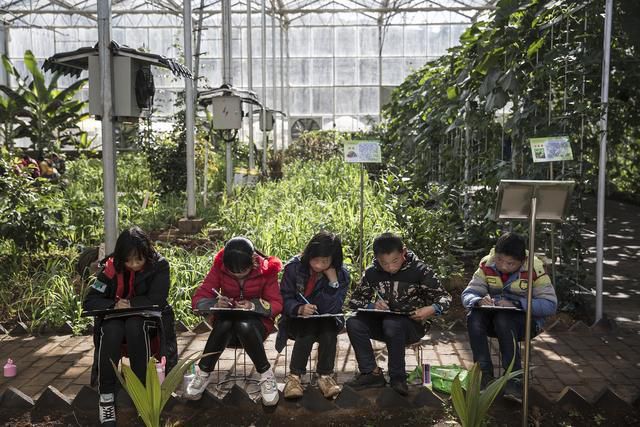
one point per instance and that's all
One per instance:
(472, 405)
(42, 112)
(151, 399)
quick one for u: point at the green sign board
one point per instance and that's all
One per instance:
(551, 149)
(362, 152)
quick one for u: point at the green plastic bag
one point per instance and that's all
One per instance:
(442, 377)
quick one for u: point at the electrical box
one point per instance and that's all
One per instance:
(268, 126)
(227, 112)
(123, 86)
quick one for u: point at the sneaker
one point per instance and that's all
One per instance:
(486, 379)
(400, 387)
(197, 386)
(293, 387)
(107, 410)
(513, 390)
(372, 379)
(328, 386)
(269, 389)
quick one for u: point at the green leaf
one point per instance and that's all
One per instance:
(535, 47)
(452, 92)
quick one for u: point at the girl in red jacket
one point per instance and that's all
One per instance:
(240, 277)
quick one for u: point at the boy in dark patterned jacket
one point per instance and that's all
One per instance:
(397, 282)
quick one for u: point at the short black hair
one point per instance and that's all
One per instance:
(513, 245)
(238, 254)
(323, 244)
(133, 241)
(386, 243)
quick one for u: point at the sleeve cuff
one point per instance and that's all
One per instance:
(437, 308)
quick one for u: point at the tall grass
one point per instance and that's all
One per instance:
(281, 216)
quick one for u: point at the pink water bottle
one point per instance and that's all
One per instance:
(10, 369)
(160, 368)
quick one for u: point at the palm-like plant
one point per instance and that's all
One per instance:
(39, 111)
(151, 399)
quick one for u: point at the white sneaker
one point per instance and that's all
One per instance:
(107, 409)
(197, 386)
(269, 389)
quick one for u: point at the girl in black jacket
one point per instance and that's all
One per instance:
(135, 275)
(314, 283)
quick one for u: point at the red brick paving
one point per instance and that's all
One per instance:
(584, 361)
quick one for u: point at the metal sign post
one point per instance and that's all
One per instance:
(362, 152)
(532, 200)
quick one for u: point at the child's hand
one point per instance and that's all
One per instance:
(247, 305)
(224, 302)
(307, 310)
(123, 303)
(486, 301)
(381, 305)
(331, 274)
(505, 303)
(423, 313)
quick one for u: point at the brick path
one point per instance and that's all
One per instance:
(583, 359)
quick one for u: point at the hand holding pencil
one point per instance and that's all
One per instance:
(307, 309)
(380, 304)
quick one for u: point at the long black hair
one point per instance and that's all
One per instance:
(238, 254)
(324, 244)
(133, 241)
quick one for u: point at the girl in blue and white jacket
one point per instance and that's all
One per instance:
(314, 283)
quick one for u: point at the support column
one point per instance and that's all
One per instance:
(108, 148)
(189, 114)
(252, 161)
(265, 139)
(274, 75)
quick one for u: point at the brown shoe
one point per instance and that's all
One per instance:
(293, 387)
(328, 386)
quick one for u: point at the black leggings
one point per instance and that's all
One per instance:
(113, 332)
(250, 333)
(308, 331)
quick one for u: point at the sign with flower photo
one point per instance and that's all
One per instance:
(551, 149)
(362, 152)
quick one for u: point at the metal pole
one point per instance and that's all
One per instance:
(189, 113)
(229, 171)
(467, 157)
(252, 160)
(361, 254)
(108, 149)
(264, 86)
(527, 339)
(288, 69)
(275, 74)
(602, 163)
(204, 175)
(282, 133)
(4, 50)
(226, 42)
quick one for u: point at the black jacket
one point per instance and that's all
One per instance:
(414, 286)
(151, 287)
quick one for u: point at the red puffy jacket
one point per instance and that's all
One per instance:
(260, 287)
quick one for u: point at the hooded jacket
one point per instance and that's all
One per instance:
(414, 286)
(487, 281)
(260, 287)
(150, 287)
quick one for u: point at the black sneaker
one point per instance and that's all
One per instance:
(400, 387)
(486, 379)
(369, 380)
(513, 390)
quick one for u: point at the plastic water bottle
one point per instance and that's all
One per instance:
(426, 375)
(160, 368)
(10, 369)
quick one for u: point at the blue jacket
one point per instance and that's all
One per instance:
(294, 281)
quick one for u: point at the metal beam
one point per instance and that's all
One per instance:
(189, 113)
(108, 149)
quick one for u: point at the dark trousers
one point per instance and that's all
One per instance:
(249, 332)
(113, 332)
(504, 325)
(396, 331)
(306, 332)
